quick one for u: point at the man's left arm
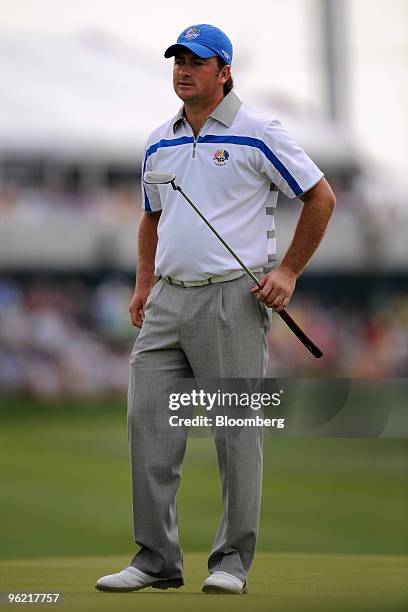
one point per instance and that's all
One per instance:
(278, 285)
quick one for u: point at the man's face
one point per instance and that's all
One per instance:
(195, 78)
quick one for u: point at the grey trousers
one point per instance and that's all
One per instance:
(214, 331)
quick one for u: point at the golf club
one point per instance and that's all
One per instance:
(161, 178)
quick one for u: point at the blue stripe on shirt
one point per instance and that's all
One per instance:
(258, 144)
(147, 203)
(239, 140)
(153, 148)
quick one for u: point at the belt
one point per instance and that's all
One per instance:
(209, 281)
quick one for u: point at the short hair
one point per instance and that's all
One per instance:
(230, 83)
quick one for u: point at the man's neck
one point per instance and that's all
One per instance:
(197, 114)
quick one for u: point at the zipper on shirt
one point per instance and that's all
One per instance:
(195, 145)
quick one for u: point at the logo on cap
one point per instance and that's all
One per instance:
(192, 33)
(225, 54)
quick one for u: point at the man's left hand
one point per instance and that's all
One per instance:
(277, 288)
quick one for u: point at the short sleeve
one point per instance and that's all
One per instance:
(150, 193)
(285, 163)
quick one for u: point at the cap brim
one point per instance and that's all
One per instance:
(197, 49)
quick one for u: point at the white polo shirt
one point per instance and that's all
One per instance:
(232, 172)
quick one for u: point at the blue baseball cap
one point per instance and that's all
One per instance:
(205, 41)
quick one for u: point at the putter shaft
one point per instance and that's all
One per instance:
(299, 333)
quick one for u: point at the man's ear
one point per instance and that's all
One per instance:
(225, 73)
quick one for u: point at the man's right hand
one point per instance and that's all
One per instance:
(137, 305)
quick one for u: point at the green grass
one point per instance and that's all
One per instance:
(66, 488)
(279, 582)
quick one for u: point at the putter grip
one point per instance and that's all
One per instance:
(311, 346)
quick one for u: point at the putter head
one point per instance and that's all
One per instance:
(158, 178)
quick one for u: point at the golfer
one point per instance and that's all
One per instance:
(200, 316)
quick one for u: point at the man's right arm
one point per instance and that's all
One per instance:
(147, 244)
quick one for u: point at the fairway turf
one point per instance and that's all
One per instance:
(66, 489)
(333, 533)
(280, 582)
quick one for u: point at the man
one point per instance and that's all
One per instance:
(199, 315)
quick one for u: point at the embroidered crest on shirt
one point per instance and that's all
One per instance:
(220, 157)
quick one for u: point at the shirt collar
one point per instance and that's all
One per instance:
(225, 112)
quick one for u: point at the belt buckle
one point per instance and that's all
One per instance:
(175, 282)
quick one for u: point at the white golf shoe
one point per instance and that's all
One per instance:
(222, 583)
(132, 579)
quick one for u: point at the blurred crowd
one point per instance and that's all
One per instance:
(71, 337)
(64, 337)
(367, 194)
(98, 217)
(97, 203)
(358, 340)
